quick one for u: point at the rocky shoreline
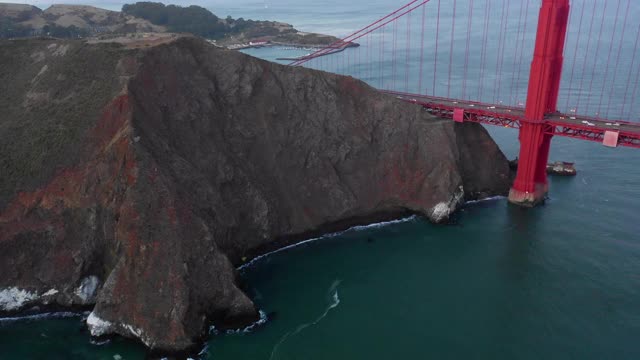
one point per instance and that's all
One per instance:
(147, 182)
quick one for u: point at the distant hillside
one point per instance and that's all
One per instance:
(200, 21)
(19, 20)
(72, 21)
(192, 19)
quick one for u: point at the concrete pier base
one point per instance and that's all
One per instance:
(529, 199)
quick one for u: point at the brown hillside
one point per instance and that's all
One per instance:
(135, 178)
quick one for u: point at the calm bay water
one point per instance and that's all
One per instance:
(561, 281)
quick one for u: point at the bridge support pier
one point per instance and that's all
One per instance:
(531, 186)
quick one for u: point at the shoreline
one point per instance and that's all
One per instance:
(202, 347)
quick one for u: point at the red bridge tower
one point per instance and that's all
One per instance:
(530, 186)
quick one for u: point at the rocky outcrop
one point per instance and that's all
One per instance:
(137, 179)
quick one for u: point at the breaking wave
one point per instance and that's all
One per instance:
(48, 315)
(263, 319)
(326, 236)
(491, 198)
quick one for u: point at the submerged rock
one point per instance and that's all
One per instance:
(136, 179)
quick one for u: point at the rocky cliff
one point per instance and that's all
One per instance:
(134, 180)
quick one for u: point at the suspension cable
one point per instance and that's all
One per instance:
(584, 66)
(615, 69)
(606, 74)
(575, 55)
(421, 53)
(453, 29)
(466, 52)
(524, 32)
(593, 71)
(633, 60)
(435, 63)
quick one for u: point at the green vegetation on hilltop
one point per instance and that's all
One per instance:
(10, 29)
(78, 21)
(58, 31)
(192, 19)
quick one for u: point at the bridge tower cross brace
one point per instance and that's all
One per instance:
(530, 186)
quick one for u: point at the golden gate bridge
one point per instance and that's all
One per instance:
(600, 81)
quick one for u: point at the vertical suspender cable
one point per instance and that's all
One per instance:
(593, 71)
(504, 45)
(633, 61)
(381, 84)
(524, 34)
(564, 49)
(606, 74)
(324, 63)
(615, 69)
(369, 59)
(587, 56)
(635, 88)
(453, 28)
(515, 55)
(575, 55)
(346, 49)
(344, 61)
(358, 65)
(435, 62)
(393, 58)
(408, 53)
(495, 81)
(483, 52)
(381, 59)
(421, 52)
(466, 52)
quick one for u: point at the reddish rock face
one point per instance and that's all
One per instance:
(139, 178)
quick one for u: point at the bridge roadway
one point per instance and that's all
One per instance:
(574, 126)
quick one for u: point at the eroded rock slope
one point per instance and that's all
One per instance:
(134, 180)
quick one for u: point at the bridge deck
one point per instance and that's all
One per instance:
(575, 126)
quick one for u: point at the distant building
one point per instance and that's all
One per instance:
(258, 42)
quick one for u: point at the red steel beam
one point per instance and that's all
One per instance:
(514, 121)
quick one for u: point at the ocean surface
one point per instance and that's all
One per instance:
(561, 281)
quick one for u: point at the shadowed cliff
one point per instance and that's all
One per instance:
(137, 179)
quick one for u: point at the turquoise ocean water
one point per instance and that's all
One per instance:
(561, 281)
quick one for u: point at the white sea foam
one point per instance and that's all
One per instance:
(49, 315)
(101, 342)
(98, 326)
(263, 319)
(442, 210)
(330, 235)
(491, 198)
(13, 298)
(335, 300)
(204, 351)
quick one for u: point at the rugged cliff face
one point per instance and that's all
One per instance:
(136, 179)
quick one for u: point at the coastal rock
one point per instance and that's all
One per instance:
(138, 179)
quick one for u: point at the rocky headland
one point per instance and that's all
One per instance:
(135, 178)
